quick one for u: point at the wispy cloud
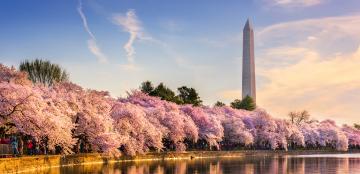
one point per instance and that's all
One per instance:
(92, 45)
(316, 72)
(295, 3)
(291, 40)
(131, 24)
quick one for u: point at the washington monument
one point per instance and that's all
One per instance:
(248, 74)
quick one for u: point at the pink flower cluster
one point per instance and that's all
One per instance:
(65, 112)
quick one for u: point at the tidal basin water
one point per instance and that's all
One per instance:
(268, 164)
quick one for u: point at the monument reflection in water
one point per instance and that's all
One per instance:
(345, 163)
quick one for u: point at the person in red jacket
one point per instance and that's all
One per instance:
(29, 146)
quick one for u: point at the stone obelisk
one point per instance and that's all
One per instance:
(248, 73)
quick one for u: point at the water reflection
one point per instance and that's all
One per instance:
(250, 164)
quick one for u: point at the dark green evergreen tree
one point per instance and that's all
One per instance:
(357, 126)
(146, 87)
(247, 103)
(165, 93)
(219, 104)
(189, 96)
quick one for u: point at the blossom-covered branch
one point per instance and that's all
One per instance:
(64, 115)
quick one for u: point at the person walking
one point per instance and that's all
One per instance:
(21, 146)
(14, 145)
(36, 148)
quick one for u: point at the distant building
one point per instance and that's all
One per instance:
(248, 74)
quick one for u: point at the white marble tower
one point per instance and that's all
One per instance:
(248, 74)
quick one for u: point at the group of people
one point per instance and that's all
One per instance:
(18, 146)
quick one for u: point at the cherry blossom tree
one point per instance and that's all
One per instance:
(265, 128)
(332, 135)
(11, 75)
(311, 134)
(353, 135)
(138, 133)
(65, 113)
(210, 128)
(288, 133)
(176, 126)
(232, 120)
(24, 108)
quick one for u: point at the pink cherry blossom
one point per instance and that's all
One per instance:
(65, 114)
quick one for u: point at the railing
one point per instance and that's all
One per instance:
(5, 150)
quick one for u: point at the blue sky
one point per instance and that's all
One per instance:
(306, 50)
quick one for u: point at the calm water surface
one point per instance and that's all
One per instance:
(324, 163)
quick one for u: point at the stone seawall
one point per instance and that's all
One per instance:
(24, 164)
(43, 162)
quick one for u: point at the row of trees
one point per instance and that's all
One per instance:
(190, 96)
(61, 115)
(186, 95)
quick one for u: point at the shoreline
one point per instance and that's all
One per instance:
(43, 162)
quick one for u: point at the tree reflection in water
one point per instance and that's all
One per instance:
(250, 164)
